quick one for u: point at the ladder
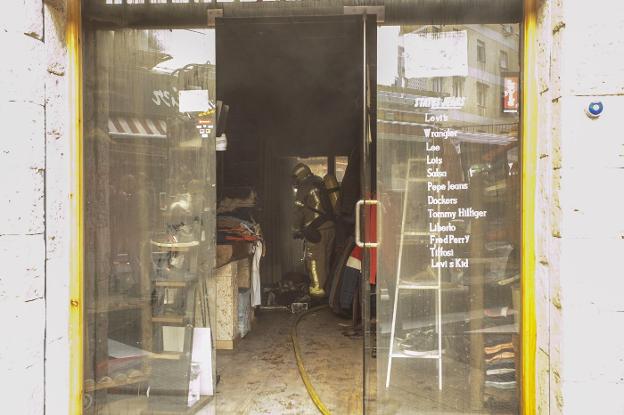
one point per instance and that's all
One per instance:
(429, 286)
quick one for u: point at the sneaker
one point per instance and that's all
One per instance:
(425, 277)
(175, 239)
(105, 381)
(501, 356)
(184, 234)
(420, 342)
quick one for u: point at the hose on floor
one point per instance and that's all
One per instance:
(302, 371)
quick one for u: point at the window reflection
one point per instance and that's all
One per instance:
(149, 249)
(448, 276)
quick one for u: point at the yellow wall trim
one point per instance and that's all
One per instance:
(74, 53)
(529, 155)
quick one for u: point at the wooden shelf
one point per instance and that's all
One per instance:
(166, 356)
(126, 382)
(176, 246)
(119, 303)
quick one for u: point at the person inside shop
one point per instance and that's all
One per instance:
(313, 222)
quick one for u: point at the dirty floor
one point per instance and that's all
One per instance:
(260, 376)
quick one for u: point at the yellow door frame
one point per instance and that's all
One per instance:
(73, 36)
(529, 152)
(529, 169)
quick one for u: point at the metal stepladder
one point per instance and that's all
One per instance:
(409, 237)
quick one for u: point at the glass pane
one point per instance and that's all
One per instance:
(448, 282)
(149, 149)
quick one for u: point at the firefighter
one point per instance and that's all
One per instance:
(314, 222)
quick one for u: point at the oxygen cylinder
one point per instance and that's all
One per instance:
(333, 190)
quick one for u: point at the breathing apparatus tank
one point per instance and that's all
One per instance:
(333, 190)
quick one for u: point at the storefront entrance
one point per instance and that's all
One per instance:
(191, 137)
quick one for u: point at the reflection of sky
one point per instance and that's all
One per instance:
(198, 46)
(186, 46)
(387, 54)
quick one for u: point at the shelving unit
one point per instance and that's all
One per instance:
(500, 207)
(401, 284)
(165, 361)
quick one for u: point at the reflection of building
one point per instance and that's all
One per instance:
(492, 53)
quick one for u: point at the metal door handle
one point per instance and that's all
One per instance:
(358, 208)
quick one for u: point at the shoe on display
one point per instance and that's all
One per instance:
(181, 207)
(424, 277)
(420, 342)
(169, 265)
(106, 381)
(120, 378)
(184, 234)
(175, 240)
(134, 374)
(504, 278)
(501, 385)
(502, 377)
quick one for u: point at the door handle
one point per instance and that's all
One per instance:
(358, 208)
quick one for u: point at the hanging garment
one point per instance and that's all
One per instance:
(350, 277)
(256, 292)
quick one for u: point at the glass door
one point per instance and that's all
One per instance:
(367, 208)
(445, 337)
(150, 202)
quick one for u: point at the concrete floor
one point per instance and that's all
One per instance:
(261, 377)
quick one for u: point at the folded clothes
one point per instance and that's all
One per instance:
(230, 204)
(499, 312)
(499, 347)
(226, 221)
(230, 228)
(496, 339)
(501, 356)
(500, 371)
(501, 385)
(502, 377)
(501, 364)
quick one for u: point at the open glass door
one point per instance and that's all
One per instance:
(367, 208)
(149, 149)
(448, 189)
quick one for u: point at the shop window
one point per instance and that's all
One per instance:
(149, 139)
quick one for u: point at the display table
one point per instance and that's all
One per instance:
(233, 280)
